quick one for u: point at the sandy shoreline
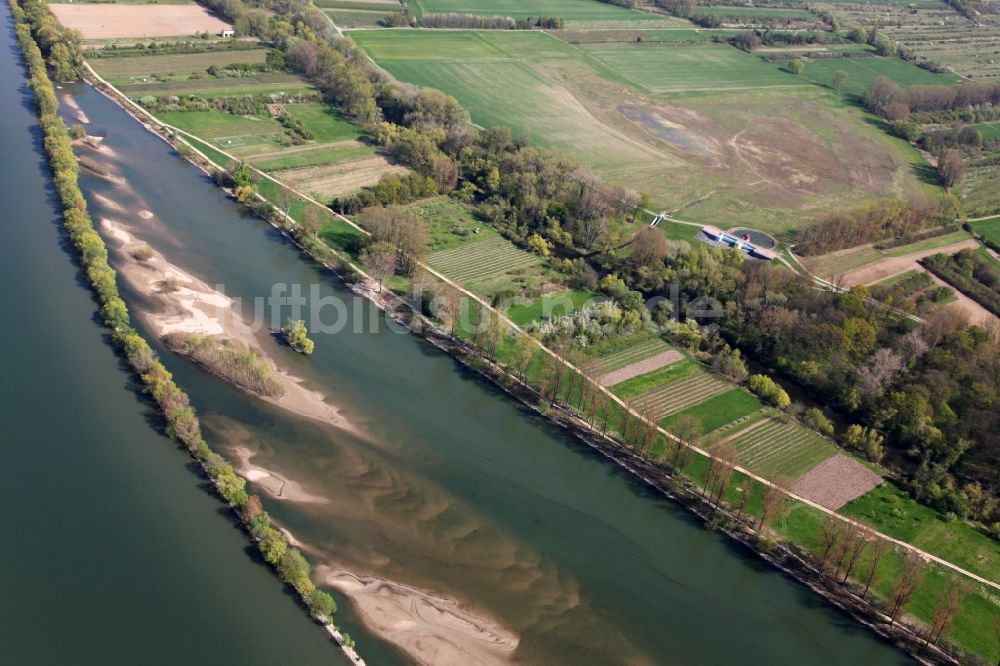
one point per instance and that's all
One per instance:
(434, 630)
(78, 113)
(276, 485)
(196, 308)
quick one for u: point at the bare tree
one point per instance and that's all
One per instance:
(524, 352)
(649, 247)
(947, 606)
(726, 455)
(380, 258)
(832, 535)
(743, 491)
(878, 552)
(911, 574)
(879, 371)
(951, 168)
(771, 507)
(855, 543)
(312, 221)
(688, 429)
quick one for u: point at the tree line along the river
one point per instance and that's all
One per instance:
(39, 36)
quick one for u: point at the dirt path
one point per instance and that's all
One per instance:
(883, 269)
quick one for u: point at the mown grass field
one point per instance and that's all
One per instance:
(212, 124)
(777, 449)
(989, 130)
(212, 88)
(890, 510)
(449, 223)
(988, 229)
(862, 72)
(570, 10)
(803, 525)
(624, 35)
(719, 410)
(691, 68)
(555, 304)
(178, 66)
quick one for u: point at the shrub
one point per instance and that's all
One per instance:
(767, 389)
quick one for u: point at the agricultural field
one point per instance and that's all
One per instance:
(978, 190)
(690, 68)
(750, 13)
(680, 394)
(933, 30)
(734, 406)
(706, 124)
(674, 35)
(358, 13)
(781, 449)
(623, 353)
(862, 72)
(125, 71)
(487, 266)
(576, 13)
(109, 21)
(334, 163)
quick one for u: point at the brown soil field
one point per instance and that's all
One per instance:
(104, 21)
(642, 367)
(338, 179)
(835, 482)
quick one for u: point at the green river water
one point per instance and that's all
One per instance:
(117, 555)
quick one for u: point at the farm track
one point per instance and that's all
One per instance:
(781, 448)
(482, 260)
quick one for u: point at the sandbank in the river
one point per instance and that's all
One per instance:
(433, 630)
(191, 306)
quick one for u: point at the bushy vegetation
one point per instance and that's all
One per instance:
(885, 218)
(970, 273)
(297, 337)
(228, 359)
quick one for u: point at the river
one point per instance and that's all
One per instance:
(113, 551)
(450, 489)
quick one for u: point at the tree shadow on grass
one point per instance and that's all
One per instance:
(925, 173)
